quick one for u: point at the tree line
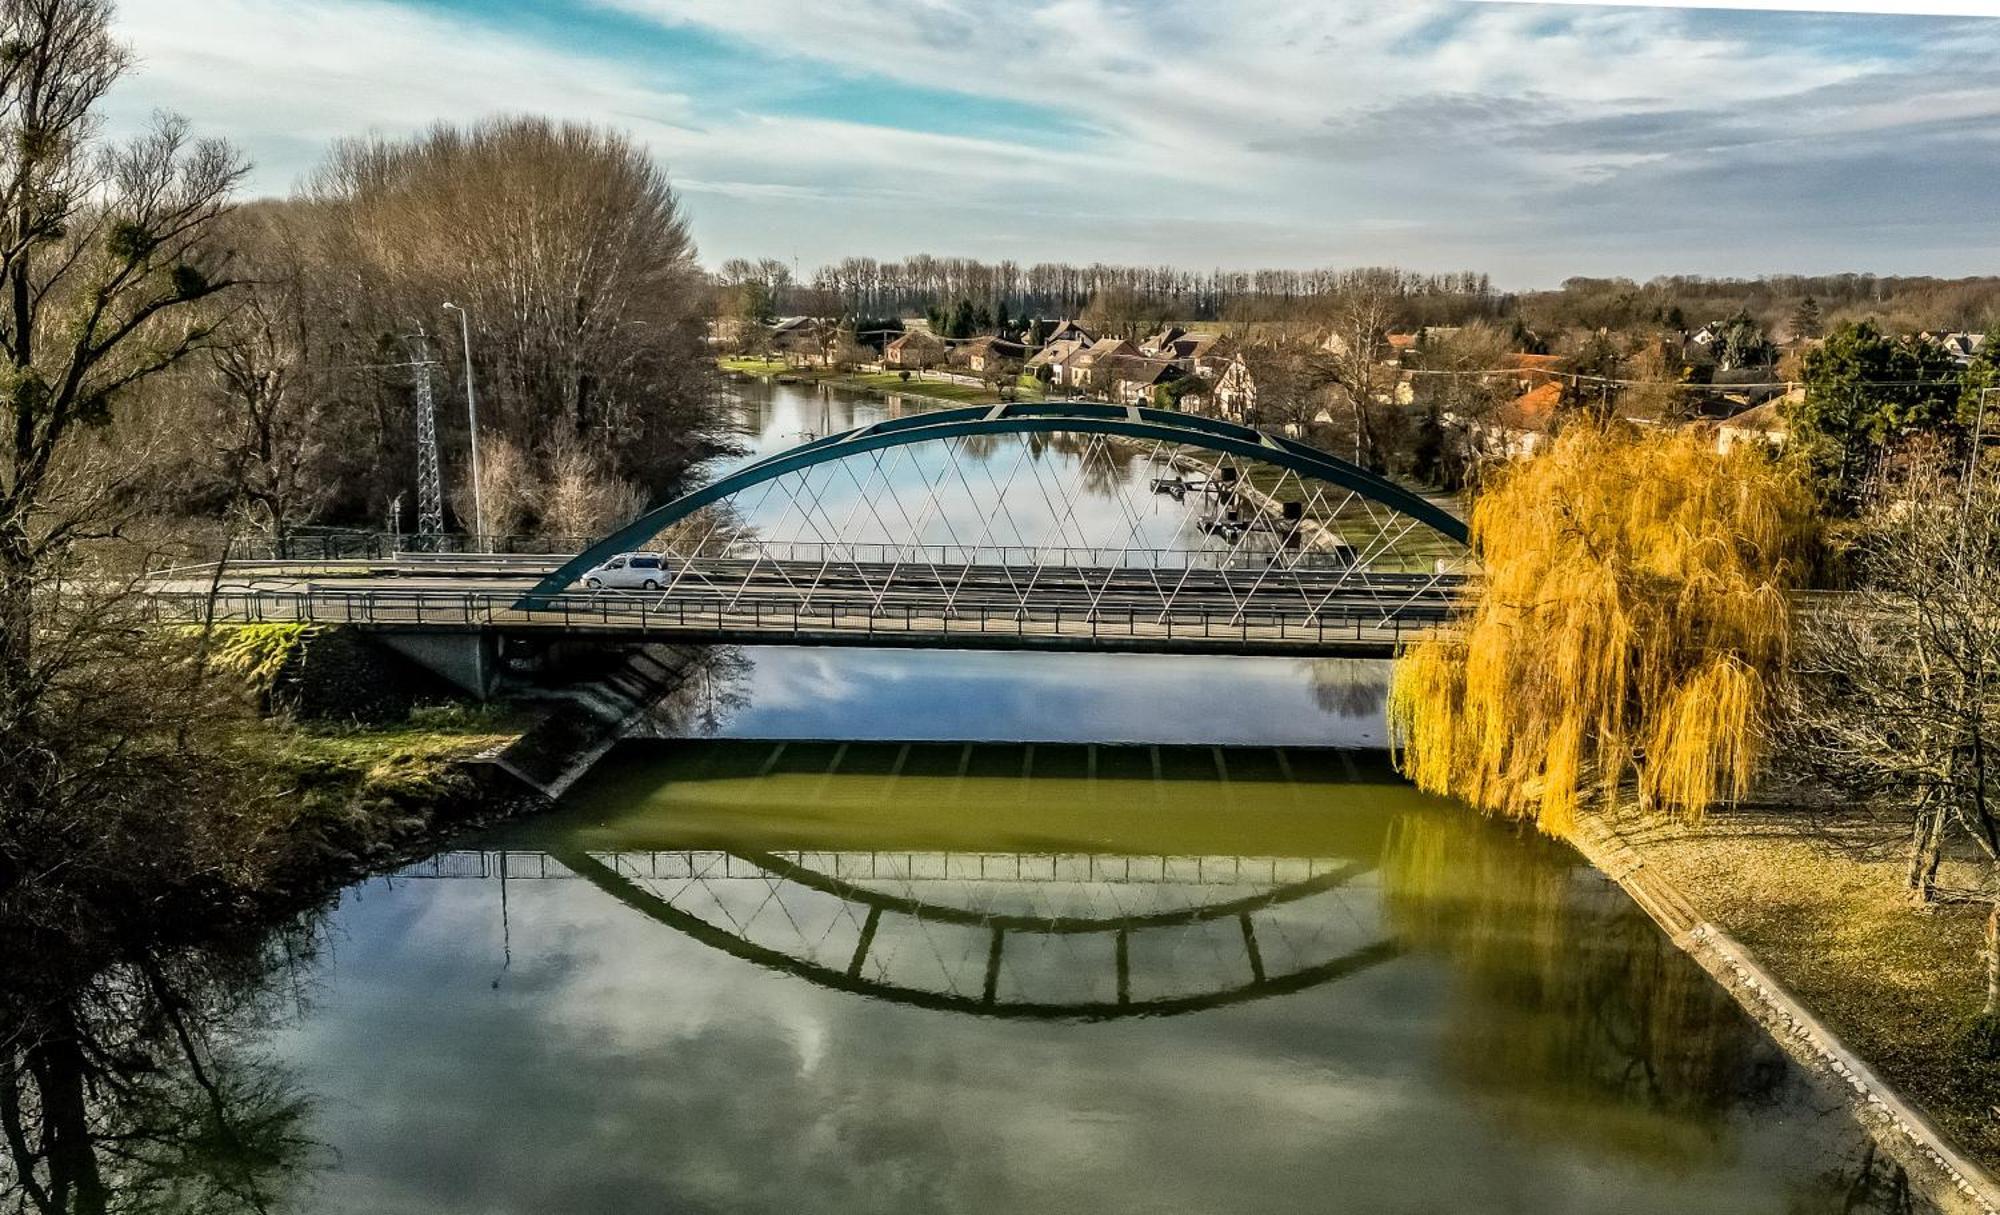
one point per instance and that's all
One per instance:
(916, 285)
(923, 283)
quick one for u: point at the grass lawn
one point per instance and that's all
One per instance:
(753, 366)
(432, 734)
(929, 388)
(935, 389)
(1822, 905)
(1415, 550)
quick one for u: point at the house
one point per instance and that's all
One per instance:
(1068, 331)
(1390, 349)
(914, 351)
(1052, 361)
(989, 355)
(1231, 394)
(1962, 347)
(1130, 379)
(1082, 370)
(1532, 365)
(1764, 424)
(1520, 427)
(795, 337)
(1166, 337)
(1202, 353)
(1734, 390)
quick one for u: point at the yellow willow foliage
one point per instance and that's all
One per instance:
(1632, 619)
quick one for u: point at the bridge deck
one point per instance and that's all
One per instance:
(1319, 611)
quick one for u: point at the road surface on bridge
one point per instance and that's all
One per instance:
(753, 600)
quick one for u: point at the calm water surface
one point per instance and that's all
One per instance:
(896, 931)
(789, 968)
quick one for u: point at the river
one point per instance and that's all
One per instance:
(900, 931)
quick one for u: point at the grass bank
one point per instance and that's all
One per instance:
(753, 366)
(352, 796)
(881, 382)
(1821, 903)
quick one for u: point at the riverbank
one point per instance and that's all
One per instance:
(357, 796)
(1806, 922)
(882, 383)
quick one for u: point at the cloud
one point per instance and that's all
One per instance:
(287, 78)
(1521, 138)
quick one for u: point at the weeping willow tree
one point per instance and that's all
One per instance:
(1631, 625)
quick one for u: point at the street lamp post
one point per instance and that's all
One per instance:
(472, 418)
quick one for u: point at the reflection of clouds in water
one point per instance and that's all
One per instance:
(623, 1068)
(1011, 490)
(626, 1067)
(936, 694)
(798, 681)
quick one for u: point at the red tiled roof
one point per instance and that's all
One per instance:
(1532, 410)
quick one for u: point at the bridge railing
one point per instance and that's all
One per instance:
(363, 546)
(1023, 556)
(750, 619)
(334, 545)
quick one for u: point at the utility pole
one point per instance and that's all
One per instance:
(430, 478)
(472, 420)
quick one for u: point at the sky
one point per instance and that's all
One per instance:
(1530, 141)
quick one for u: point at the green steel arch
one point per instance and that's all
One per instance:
(1128, 421)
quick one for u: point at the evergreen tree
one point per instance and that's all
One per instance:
(1864, 388)
(963, 323)
(1742, 343)
(1806, 319)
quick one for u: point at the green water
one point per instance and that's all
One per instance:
(759, 974)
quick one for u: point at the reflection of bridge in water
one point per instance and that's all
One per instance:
(1035, 935)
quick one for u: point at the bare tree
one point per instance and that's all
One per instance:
(1463, 381)
(105, 255)
(583, 497)
(1898, 694)
(566, 246)
(1352, 362)
(274, 407)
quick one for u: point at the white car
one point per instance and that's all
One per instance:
(629, 572)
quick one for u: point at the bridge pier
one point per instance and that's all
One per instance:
(468, 659)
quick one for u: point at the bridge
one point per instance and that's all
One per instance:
(1062, 527)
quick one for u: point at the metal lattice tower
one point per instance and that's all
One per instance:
(430, 479)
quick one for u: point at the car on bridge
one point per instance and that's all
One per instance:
(628, 572)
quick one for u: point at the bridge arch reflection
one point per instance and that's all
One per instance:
(1079, 937)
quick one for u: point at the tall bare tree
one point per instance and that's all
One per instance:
(566, 246)
(1899, 685)
(274, 409)
(105, 255)
(1352, 362)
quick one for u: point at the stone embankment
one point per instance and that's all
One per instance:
(1954, 1182)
